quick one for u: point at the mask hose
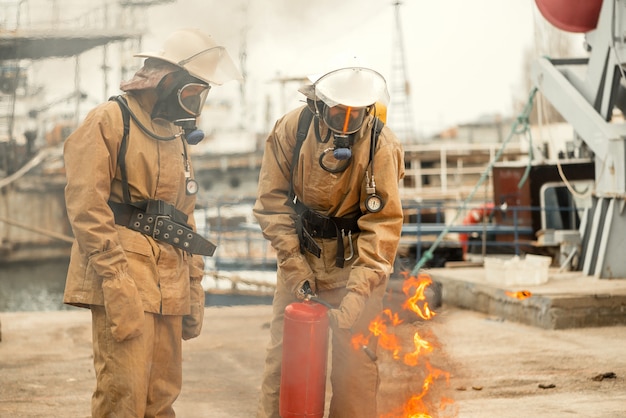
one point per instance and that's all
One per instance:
(191, 134)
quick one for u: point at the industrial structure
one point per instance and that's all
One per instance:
(587, 92)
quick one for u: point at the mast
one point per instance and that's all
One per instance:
(400, 115)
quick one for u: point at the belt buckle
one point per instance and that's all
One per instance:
(155, 230)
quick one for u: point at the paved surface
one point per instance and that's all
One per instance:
(565, 300)
(495, 366)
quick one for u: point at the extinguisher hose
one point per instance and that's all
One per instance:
(321, 302)
(365, 348)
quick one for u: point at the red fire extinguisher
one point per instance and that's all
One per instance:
(305, 354)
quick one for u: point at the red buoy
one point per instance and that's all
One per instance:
(576, 16)
(305, 354)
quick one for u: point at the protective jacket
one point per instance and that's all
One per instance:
(164, 275)
(339, 194)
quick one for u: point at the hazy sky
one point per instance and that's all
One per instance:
(463, 58)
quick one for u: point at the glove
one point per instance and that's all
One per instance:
(295, 272)
(123, 306)
(192, 323)
(348, 312)
(304, 289)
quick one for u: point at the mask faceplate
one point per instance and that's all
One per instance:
(344, 119)
(180, 96)
(192, 97)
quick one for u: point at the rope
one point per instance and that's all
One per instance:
(34, 162)
(521, 125)
(41, 156)
(51, 234)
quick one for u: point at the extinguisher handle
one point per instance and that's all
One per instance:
(320, 301)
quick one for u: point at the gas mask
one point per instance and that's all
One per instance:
(180, 100)
(343, 122)
(343, 98)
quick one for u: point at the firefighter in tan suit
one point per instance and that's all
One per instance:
(137, 261)
(333, 213)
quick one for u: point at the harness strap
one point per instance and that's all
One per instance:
(304, 121)
(309, 223)
(121, 158)
(155, 218)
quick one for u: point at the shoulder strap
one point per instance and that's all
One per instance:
(304, 121)
(376, 130)
(121, 158)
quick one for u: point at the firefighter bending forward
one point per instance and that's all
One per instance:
(332, 211)
(137, 259)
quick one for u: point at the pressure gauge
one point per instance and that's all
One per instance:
(191, 186)
(373, 203)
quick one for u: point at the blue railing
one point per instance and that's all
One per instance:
(241, 245)
(509, 229)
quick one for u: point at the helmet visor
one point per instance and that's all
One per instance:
(344, 119)
(354, 86)
(192, 96)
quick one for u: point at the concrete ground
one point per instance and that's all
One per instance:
(564, 300)
(497, 368)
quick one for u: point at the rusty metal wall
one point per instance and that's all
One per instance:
(33, 219)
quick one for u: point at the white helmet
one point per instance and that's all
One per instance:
(199, 54)
(352, 86)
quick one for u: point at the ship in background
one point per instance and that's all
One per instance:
(33, 125)
(441, 171)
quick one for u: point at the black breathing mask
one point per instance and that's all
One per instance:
(192, 134)
(341, 154)
(343, 146)
(180, 100)
(343, 122)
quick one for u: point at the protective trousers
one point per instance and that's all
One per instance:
(140, 377)
(353, 375)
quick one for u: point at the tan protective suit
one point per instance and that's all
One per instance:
(137, 357)
(354, 375)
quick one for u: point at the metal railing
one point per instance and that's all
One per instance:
(508, 230)
(241, 245)
(240, 242)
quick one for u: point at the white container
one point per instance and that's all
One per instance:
(531, 270)
(537, 268)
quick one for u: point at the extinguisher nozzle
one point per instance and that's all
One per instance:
(369, 353)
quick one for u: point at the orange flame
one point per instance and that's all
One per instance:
(521, 295)
(378, 328)
(420, 283)
(381, 327)
(421, 345)
(415, 407)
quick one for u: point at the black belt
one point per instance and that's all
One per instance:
(327, 227)
(311, 224)
(163, 222)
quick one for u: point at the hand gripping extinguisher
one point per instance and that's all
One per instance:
(305, 353)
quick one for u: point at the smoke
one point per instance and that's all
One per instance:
(460, 60)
